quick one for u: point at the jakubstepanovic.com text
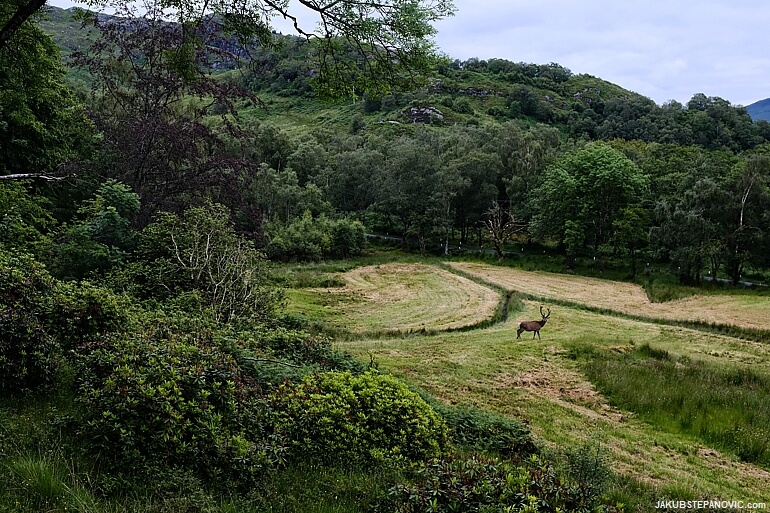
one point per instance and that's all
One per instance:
(667, 504)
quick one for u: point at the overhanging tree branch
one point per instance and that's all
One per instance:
(21, 15)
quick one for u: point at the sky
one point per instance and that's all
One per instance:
(662, 49)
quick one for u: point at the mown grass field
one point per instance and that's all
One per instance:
(749, 311)
(400, 298)
(544, 381)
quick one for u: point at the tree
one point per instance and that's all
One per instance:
(41, 123)
(391, 37)
(15, 13)
(574, 240)
(280, 197)
(501, 226)
(152, 113)
(471, 154)
(347, 181)
(631, 232)
(687, 231)
(405, 189)
(103, 236)
(747, 200)
(590, 187)
(524, 154)
(200, 251)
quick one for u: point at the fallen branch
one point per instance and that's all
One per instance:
(35, 176)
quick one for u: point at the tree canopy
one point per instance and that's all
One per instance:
(391, 40)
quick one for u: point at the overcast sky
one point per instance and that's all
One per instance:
(663, 49)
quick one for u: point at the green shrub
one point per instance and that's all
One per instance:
(28, 353)
(180, 402)
(481, 431)
(474, 483)
(24, 218)
(366, 418)
(83, 312)
(310, 239)
(102, 238)
(273, 356)
(39, 316)
(200, 250)
(302, 348)
(588, 470)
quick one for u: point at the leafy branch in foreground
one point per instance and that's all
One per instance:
(391, 38)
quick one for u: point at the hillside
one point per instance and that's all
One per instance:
(472, 92)
(760, 110)
(492, 91)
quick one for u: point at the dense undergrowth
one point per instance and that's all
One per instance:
(159, 405)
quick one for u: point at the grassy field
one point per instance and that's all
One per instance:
(749, 311)
(545, 382)
(399, 298)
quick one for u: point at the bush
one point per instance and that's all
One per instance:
(40, 316)
(474, 483)
(201, 251)
(312, 239)
(481, 431)
(271, 356)
(587, 467)
(303, 348)
(83, 312)
(367, 418)
(24, 218)
(102, 239)
(28, 353)
(179, 402)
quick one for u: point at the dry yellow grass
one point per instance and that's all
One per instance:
(746, 311)
(403, 297)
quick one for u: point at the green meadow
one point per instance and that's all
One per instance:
(681, 413)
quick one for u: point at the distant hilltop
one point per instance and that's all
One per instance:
(760, 110)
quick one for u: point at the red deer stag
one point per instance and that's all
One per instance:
(534, 325)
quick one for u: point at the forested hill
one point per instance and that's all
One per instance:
(470, 92)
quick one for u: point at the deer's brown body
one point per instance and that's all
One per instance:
(534, 325)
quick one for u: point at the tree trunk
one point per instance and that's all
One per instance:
(448, 227)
